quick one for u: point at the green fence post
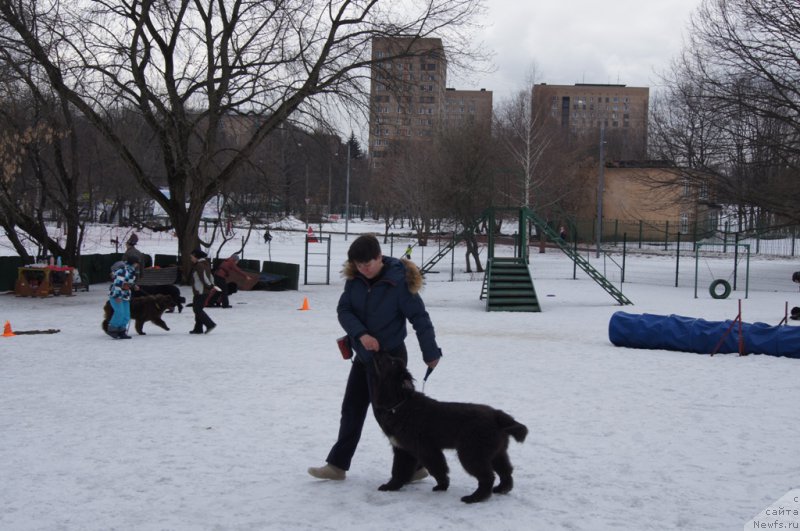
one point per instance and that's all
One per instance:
(678, 260)
(641, 232)
(624, 254)
(736, 259)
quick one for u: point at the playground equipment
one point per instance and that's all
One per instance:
(688, 334)
(317, 255)
(713, 288)
(507, 284)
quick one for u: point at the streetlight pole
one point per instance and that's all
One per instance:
(347, 195)
(600, 186)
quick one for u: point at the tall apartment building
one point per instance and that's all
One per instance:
(467, 105)
(583, 109)
(409, 100)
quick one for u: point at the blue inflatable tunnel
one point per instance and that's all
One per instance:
(687, 334)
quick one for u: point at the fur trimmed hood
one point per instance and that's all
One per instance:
(394, 270)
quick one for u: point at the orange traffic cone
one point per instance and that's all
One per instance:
(304, 307)
(7, 330)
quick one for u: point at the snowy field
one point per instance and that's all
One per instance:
(176, 432)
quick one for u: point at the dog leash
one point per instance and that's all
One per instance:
(425, 379)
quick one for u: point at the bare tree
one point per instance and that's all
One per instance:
(190, 67)
(464, 167)
(732, 114)
(40, 152)
(519, 125)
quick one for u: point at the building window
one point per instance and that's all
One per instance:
(684, 222)
(704, 190)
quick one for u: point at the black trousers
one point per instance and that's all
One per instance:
(356, 402)
(201, 318)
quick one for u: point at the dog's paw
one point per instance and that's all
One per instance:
(502, 488)
(440, 487)
(390, 486)
(474, 498)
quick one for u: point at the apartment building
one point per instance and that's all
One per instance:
(584, 109)
(463, 106)
(409, 100)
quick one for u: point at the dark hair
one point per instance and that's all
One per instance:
(132, 259)
(796, 276)
(197, 253)
(364, 248)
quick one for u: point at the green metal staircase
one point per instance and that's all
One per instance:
(500, 266)
(579, 260)
(508, 287)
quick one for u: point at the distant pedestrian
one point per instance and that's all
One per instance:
(562, 233)
(267, 236)
(131, 250)
(202, 285)
(407, 254)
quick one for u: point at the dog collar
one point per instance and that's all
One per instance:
(397, 406)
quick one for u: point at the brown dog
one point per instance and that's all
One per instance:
(143, 309)
(422, 427)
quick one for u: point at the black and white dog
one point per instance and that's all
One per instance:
(423, 427)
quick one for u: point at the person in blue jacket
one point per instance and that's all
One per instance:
(119, 296)
(380, 294)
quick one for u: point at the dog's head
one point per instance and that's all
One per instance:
(164, 303)
(393, 383)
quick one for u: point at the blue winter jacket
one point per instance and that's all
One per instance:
(381, 309)
(124, 278)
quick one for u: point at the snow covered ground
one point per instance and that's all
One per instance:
(180, 432)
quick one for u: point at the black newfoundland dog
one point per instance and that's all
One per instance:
(144, 308)
(423, 427)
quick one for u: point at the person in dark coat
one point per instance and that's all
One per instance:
(131, 250)
(380, 295)
(202, 285)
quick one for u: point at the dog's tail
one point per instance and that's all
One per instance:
(108, 311)
(518, 431)
(512, 427)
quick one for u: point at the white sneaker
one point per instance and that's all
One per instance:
(328, 471)
(421, 473)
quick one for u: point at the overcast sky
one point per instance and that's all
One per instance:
(579, 41)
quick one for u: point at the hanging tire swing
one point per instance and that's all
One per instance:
(726, 289)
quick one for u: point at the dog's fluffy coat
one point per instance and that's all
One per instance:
(143, 309)
(423, 427)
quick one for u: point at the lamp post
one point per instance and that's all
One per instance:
(600, 187)
(347, 195)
